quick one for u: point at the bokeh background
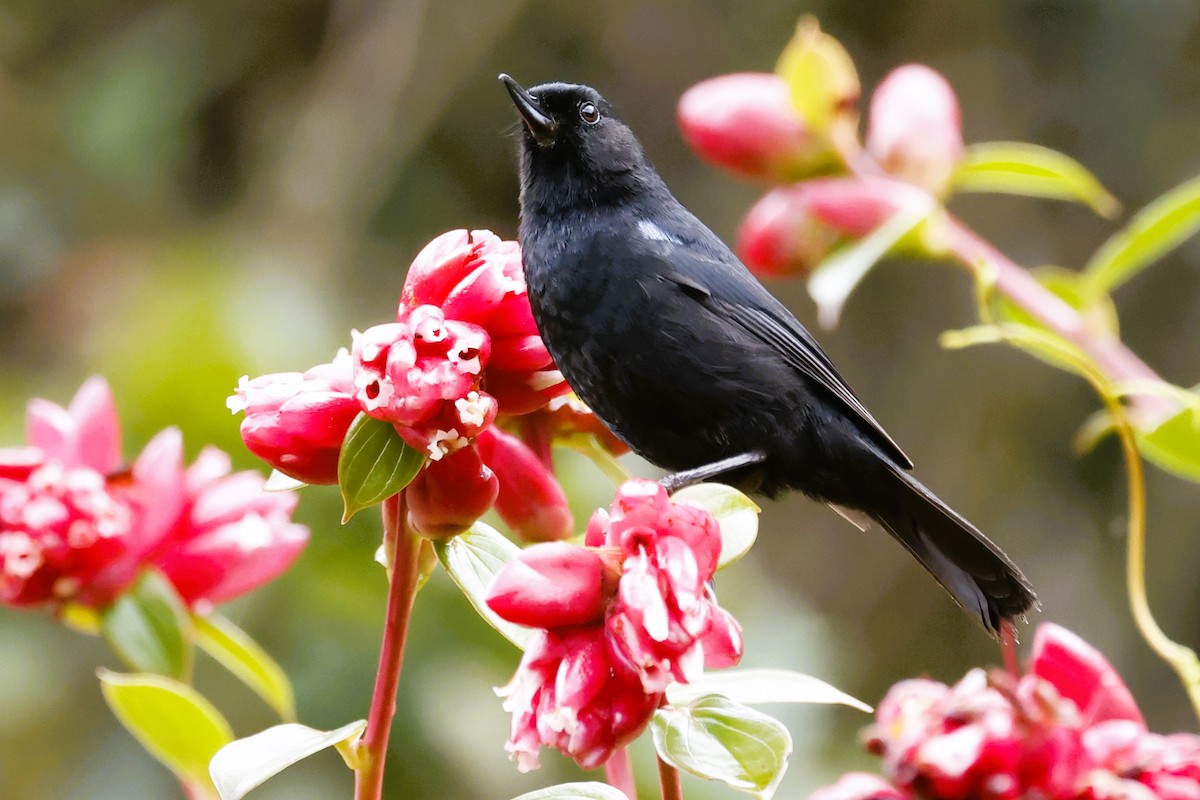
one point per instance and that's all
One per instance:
(193, 191)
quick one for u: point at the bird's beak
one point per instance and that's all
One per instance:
(540, 124)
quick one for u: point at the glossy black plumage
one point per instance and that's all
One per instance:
(687, 358)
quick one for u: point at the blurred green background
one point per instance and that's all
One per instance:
(193, 191)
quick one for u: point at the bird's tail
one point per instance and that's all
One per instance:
(976, 573)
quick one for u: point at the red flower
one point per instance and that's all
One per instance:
(476, 277)
(622, 618)
(296, 421)
(859, 786)
(915, 128)
(746, 123)
(569, 694)
(231, 536)
(70, 532)
(422, 374)
(1067, 730)
(665, 621)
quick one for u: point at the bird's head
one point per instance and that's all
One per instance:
(574, 147)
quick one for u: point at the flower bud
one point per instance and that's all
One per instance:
(552, 585)
(914, 127)
(793, 229)
(296, 422)
(531, 501)
(746, 123)
(450, 494)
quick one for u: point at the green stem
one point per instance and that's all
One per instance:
(604, 460)
(404, 549)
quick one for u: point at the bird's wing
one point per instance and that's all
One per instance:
(734, 294)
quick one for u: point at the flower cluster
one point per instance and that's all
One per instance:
(620, 618)
(463, 351)
(1067, 730)
(75, 528)
(748, 124)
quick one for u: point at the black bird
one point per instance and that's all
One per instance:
(684, 355)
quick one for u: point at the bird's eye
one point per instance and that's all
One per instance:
(589, 113)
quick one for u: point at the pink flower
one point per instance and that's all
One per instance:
(1067, 730)
(423, 374)
(530, 501)
(68, 533)
(792, 229)
(296, 421)
(915, 128)
(231, 537)
(570, 694)
(449, 494)
(665, 619)
(746, 123)
(476, 277)
(622, 617)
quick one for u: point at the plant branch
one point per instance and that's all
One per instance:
(619, 773)
(1114, 359)
(403, 547)
(668, 779)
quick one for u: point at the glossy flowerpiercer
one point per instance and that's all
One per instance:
(691, 362)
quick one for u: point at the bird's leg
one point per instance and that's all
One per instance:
(677, 480)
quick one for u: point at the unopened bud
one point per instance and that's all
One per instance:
(791, 230)
(746, 123)
(450, 494)
(531, 501)
(552, 585)
(915, 128)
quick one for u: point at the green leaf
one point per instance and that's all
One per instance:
(241, 655)
(837, 276)
(374, 464)
(1152, 233)
(753, 686)
(149, 627)
(575, 791)
(1175, 444)
(1020, 168)
(472, 560)
(736, 513)
(245, 764)
(721, 740)
(171, 720)
(819, 72)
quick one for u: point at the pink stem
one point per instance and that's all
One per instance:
(668, 779)
(1117, 361)
(371, 750)
(1008, 647)
(619, 773)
